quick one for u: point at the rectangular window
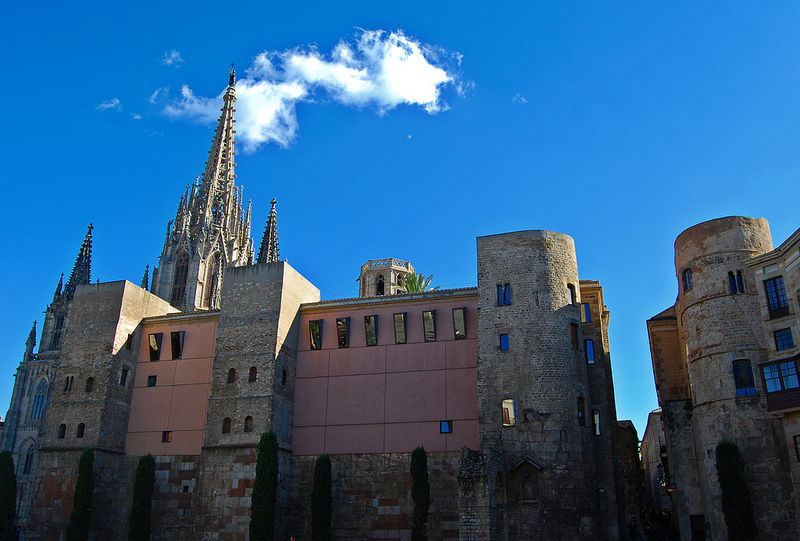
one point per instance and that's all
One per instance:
(445, 427)
(587, 312)
(573, 334)
(151, 381)
(371, 330)
(596, 422)
(503, 294)
(176, 341)
(123, 377)
(797, 447)
(589, 345)
(129, 341)
(166, 436)
(155, 346)
(503, 342)
(315, 333)
(343, 331)
(573, 297)
(429, 325)
(781, 376)
(783, 339)
(460, 323)
(400, 328)
(743, 377)
(509, 417)
(776, 297)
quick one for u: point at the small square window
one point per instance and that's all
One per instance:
(155, 346)
(371, 330)
(400, 328)
(429, 325)
(343, 331)
(445, 427)
(315, 333)
(783, 339)
(151, 381)
(503, 342)
(166, 436)
(460, 323)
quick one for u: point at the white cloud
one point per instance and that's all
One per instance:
(379, 70)
(110, 104)
(136, 116)
(157, 93)
(172, 58)
(519, 98)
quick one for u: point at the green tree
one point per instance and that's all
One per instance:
(415, 283)
(420, 493)
(265, 489)
(143, 486)
(8, 497)
(81, 517)
(321, 500)
(735, 494)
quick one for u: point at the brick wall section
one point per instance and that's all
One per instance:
(632, 474)
(372, 496)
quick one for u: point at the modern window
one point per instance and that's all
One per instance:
(39, 399)
(252, 375)
(596, 422)
(176, 341)
(429, 325)
(62, 431)
(248, 424)
(743, 377)
(371, 330)
(179, 280)
(460, 323)
(89, 385)
(81, 429)
(573, 294)
(687, 280)
(315, 333)
(226, 425)
(581, 411)
(503, 294)
(231, 376)
(123, 377)
(151, 381)
(781, 376)
(155, 345)
(589, 347)
(587, 312)
(783, 339)
(400, 328)
(343, 331)
(509, 415)
(28, 463)
(735, 282)
(573, 335)
(445, 427)
(504, 342)
(776, 297)
(166, 436)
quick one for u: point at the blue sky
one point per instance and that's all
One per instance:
(618, 124)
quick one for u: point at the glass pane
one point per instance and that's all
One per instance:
(176, 338)
(343, 331)
(429, 325)
(771, 376)
(315, 333)
(371, 330)
(590, 351)
(459, 323)
(503, 341)
(789, 373)
(400, 328)
(509, 418)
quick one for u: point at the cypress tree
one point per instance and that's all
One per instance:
(81, 516)
(321, 500)
(265, 489)
(735, 495)
(142, 499)
(420, 493)
(8, 497)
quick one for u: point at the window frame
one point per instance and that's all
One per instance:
(742, 387)
(400, 318)
(445, 427)
(176, 339)
(154, 341)
(508, 413)
(429, 325)
(504, 342)
(315, 336)
(596, 422)
(343, 332)
(574, 335)
(166, 436)
(777, 301)
(781, 371)
(785, 340)
(686, 280)
(371, 330)
(152, 380)
(456, 330)
(588, 346)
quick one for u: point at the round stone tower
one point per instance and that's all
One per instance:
(719, 320)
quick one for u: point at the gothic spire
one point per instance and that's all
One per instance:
(30, 343)
(146, 278)
(83, 266)
(57, 294)
(268, 252)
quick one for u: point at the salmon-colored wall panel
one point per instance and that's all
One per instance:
(193, 371)
(462, 393)
(364, 360)
(308, 440)
(405, 437)
(163, 370)
(141, 443)
(184, 442)
(464, 433)
(188, 407)
(311, 402)
(312, 363)
(150, 409)
(198, 341)
(462, 354)
(415, 396)
(354, 439)
(355, 399)
(424, 356)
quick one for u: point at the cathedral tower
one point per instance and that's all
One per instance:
(211, 230)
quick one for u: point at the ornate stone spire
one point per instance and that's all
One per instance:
(30, 343)
(268, 252)
(146, 277)
(57, 294)
(81, 272)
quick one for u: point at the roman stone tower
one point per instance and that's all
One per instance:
(382, 276)
(535, 475)
(211, 231)
(719, 323)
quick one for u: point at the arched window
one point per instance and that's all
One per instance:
(248, 424)
(379, 285)
(573, 296)
(253, 374)
(179, 280)
(80, 431)
(27, 460)
(231, 375)
(226, 425)
(90, 385)
(39, 399)
(62, 431)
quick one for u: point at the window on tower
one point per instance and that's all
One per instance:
(179, 280)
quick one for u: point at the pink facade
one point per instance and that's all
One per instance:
(170, 396)
(387, 397)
